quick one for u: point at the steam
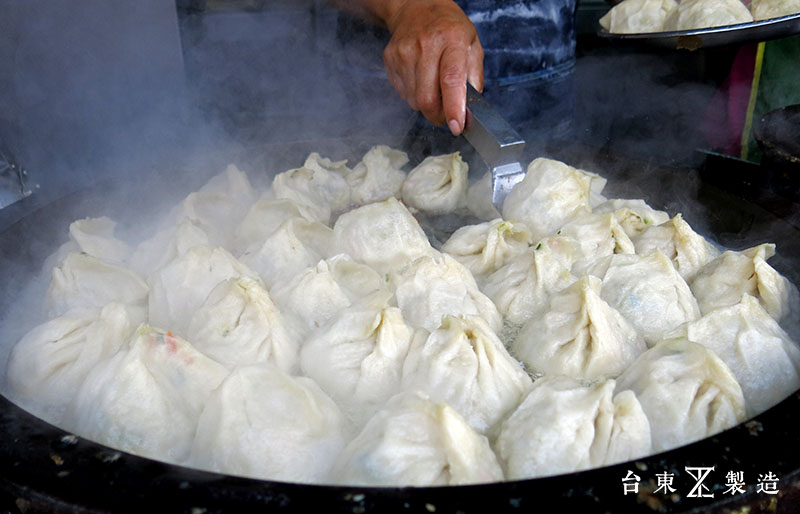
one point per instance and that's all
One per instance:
(104, 90)
(141, 105)
(649, 105)
(156, 103)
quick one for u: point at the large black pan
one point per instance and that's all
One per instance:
(44, 469)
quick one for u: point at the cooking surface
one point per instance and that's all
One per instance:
(97, 479)
(639, 129)
(66, 469)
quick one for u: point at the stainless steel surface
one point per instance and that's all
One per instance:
(498, 144)
(695, 39)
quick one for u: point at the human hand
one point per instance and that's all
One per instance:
(433, 52)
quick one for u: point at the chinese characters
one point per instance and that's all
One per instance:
(702, 486)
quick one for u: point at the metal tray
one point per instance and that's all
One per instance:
(695, 39)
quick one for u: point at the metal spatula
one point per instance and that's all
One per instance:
(498, 144)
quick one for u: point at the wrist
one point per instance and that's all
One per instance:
(388, 11)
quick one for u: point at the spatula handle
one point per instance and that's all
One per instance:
(495, 140)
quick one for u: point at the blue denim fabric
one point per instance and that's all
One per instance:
(529, 48)
(523, 40)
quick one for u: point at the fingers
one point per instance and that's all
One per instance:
(475, 65)
(453, 68)
(433, 52)
(441, 75)
(396, 82)
(428, 94)
(400, 66)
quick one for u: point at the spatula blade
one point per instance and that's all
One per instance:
(504, 178)
(498, 144)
